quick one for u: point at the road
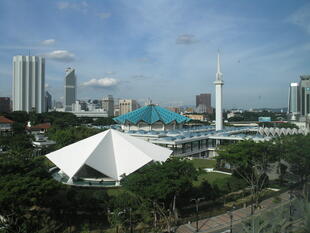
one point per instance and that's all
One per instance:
(221, 223)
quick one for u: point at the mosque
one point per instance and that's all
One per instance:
(168, 129)
(148, 134)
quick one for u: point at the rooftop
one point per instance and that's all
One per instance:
(5, 120)
(40, 126)
(151, 114)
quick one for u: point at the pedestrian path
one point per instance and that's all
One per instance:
(223, 221)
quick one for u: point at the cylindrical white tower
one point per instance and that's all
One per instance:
(218, 97)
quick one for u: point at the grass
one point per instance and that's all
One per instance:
(211, 177)
(203, 163)
(115, 191)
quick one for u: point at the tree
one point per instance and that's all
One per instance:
(69, 135)
(273, 221)
(161, 181)
(251, 161)
(297, 154)
(161, 184)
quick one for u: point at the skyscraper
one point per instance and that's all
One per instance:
(70, 89)
(203, 103)
(48, 101)
(304, 94)
(28, 89)
(108, 105)
(218, 97)
(294, 100)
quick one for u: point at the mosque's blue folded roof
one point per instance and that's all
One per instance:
(151, 114)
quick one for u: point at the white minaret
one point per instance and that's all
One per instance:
(218, 96)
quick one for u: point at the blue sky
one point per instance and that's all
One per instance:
(163, 49)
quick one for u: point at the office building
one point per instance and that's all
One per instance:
(28, 88)
(127, 105)
(5, 104)
(294, 101)
(108, 105)
(70, 89)
(304, 94)
(299, 101)
(203, 103)
(48, 101)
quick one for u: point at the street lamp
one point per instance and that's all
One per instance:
(230, 214)
(197, 200)
(130, 220)
(291, 196)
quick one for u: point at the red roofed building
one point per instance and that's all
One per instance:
(39, 128)
(5, 125)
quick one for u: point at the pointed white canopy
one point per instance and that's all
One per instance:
(111, 152)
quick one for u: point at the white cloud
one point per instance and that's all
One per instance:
(61, 55)
(46, 85)
(101, 83)
(110, 72)
(301, 17)
(79, 6)
(104, 15)
(48, 42)
(186, 39)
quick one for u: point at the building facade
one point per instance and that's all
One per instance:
(5, 104)
(203, 103)
(48, 101)
(70, 89)
(108, 105)
(28, 88)
(127, 105)
(299, 101)
(304, 94)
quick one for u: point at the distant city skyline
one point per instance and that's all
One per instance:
(165, 50)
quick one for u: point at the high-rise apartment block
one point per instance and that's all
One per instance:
(108, 105)
(70, 89)
(28, 88)
(127, 105)
(299, 98)
(5, 104)
(203, 103)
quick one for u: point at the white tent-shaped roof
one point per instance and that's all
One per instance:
(111, 152)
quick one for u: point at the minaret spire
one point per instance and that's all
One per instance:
(219, 75)
(218, 96)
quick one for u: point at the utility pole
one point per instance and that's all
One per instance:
(197, 200)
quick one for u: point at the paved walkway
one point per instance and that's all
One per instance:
(219, 222)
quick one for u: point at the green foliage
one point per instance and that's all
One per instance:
(31, 201)
(273, 221)
(161, 182)
(69, 135)
(18, 116)
(102, 121)
(203, 163)
(296, 152)
(246, 154)
(20, 142)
